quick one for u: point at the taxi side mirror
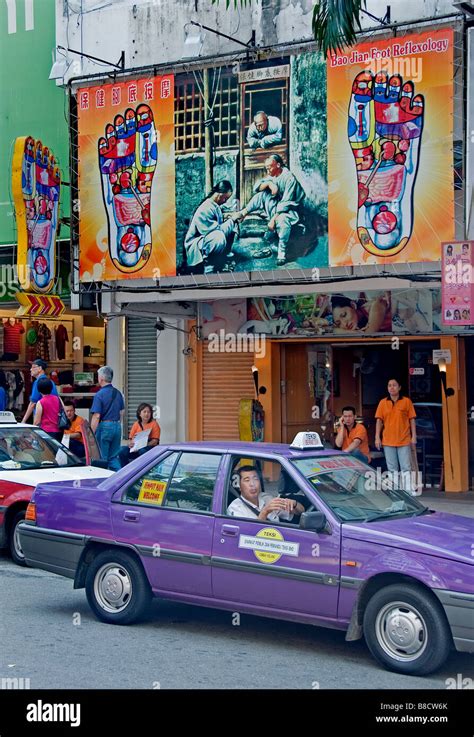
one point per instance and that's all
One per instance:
(313, 521)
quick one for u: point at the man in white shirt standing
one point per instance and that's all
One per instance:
(255, 504)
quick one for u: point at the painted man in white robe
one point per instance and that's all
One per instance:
(278, 198)
(209, 238)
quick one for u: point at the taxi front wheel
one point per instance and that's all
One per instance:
(406, 630)
(116, 587)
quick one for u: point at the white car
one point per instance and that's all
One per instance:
(29, 456)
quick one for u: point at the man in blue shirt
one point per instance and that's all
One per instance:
(107, 414)
(38, 370)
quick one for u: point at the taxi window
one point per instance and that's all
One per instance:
(192, 484)
(257, 481)
(151, 486)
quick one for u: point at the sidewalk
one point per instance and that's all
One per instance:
(462, 503)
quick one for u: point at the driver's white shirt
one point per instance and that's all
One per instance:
(238, 508)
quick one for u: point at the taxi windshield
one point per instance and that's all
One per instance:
(356, 492)
(23, 448)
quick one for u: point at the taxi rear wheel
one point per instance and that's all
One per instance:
(16, 551)
(116, 587)
(406, 630)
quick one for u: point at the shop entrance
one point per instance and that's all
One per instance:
(319, 379)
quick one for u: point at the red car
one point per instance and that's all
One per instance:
(29, 456)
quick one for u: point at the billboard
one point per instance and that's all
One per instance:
(251, 182)
(126, 180)
(352, 314)
(390, 117)
(36, 186)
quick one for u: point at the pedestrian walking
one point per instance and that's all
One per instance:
(395, 416)
(47, 409)
(145, 423)
(38, 371)
(107, 414)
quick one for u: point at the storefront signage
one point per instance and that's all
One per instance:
(443, 354)
(417, 371)
(36, 187)
(127, 180)
(39, 305)
(352, 314)
(256, 75)
(457, 282)
(390, 113)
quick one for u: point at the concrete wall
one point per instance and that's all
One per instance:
(152, 31)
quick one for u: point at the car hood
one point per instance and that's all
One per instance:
(37, 476)
(440, 534)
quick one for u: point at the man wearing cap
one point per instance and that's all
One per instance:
(38, 370)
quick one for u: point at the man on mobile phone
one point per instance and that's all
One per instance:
(352, 436)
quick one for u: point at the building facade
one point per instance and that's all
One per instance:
(176, 229)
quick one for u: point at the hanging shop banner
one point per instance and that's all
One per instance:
(251, 167)
(390, 118)
(36, 186)
(126, 180)
(457, 283)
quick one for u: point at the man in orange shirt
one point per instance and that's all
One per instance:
(352, 436)
(396, 417)
(76, 445)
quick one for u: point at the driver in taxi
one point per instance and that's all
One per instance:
(256, 504)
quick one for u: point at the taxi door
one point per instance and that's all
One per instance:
(276, 566)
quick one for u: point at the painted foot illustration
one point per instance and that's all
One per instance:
(384, 127)
(40, 190)
(127, 159)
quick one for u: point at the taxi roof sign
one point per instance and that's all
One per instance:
(7, 417)
(306, 441)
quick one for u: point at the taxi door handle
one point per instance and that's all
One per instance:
(131, 516)
(230, 530)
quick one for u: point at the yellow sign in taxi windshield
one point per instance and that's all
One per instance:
(152, 491)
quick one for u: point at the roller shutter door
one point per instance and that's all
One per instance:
(141, 376)
(227, 378)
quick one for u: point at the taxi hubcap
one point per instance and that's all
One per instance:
(17, 544)
(112, 587)
(401, 631)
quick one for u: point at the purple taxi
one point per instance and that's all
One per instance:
(290, 532)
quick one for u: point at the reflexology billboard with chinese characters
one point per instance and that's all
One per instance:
(126, 184)
(390, 159)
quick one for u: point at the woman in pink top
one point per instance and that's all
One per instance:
(47, 409)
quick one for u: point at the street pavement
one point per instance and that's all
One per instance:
(454, 503)
(50, 636)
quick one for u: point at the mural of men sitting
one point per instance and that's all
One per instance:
(279, 199)
(210, 236)
(265, 131)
